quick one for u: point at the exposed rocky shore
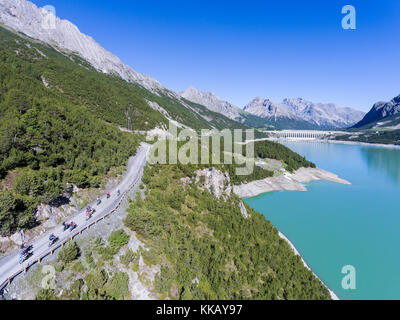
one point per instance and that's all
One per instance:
(286, 182)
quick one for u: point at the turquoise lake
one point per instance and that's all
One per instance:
(334, 225)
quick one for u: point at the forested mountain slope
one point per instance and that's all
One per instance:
(208, 250)
(59, 119)
(47, 140)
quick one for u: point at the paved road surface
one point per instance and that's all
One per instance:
(9, 265)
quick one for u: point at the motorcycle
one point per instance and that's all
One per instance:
(52, 241)
(23, 258)
(88, 215)
(25, 248)
(73, 226)
(66, 226)
(25, 254)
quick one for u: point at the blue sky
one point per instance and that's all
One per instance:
(240, 50)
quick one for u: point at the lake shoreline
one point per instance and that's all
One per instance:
(290, 182)
(333, 295)
(389, 146)
(354, 143)
(286, 182)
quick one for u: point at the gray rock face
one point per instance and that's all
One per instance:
(212, 102)
(215, 181)
(23, 16)
(324, 114)
(318, 114)
(381, 110)
(265, 108)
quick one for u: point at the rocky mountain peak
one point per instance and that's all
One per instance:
(265, 108)
(381, 110)
(396, 100)
(212, 102)
(316, 114)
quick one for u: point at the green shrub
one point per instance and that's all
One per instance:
(135, 267)
(117, 288)
(95, 285)
(69, 253)
(89, 259)
(129, 257)
(151, 257)
(59, 267)
(75, 290)
(98, 244)
(116, 241)
(46, 294)
(78, 267)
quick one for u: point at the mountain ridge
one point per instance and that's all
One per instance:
(318, 115)
(292, 113)
(25, 19)
(381, 111)
(24, 16)
(212, 102)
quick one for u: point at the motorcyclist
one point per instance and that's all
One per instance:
(22, 256)
(119, 192)
(98, 201)
(72, 225)
(52, 237)
(65, 225)
(108, 195)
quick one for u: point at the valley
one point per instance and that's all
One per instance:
(197, 198)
